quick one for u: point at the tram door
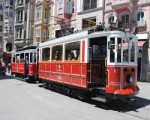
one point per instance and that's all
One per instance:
(97, 62)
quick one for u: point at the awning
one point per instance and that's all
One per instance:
(141, 43)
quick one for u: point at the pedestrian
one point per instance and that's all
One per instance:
(9, 67)
(26, 65)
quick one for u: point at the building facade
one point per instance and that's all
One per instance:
(135, 17)
(8, 12)
(23, 21)
(90, 13)
(1, 29)
(43, 21)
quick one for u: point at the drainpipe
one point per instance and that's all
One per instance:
(103, 20)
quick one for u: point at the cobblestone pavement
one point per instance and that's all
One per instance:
(25, 101)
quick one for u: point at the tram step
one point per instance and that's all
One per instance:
(99, 99)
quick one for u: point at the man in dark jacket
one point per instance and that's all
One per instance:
(26, 66)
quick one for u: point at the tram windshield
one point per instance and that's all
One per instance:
(121, 51)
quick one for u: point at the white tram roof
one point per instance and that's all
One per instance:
(26, 49)
(83, 35)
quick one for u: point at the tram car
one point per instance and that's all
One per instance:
(23, 63)
(87, 64)
(91, 64)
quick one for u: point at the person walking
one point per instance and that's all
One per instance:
(26, 66)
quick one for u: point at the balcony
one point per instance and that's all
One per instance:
(141, 25)
(38, 22)
(19, 42)
(19, 5)
(119, 5)
(45, 21)
(19, 23)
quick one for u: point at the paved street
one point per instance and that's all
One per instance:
(23, 101)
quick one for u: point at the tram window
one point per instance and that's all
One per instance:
(72, 51)
(45, 54)
(14, 59)
(22, 57)
(57, 53)
(119, 50)
(132, 49)
(125, 51)
(31, 55)
(34, 57)
(112, 53)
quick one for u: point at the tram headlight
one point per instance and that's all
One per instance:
(129, 79)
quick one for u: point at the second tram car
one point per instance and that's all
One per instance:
(100, 64)
(24, 63)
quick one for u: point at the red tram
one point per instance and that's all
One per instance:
(86, 64)
(95, 64)
(19, 67)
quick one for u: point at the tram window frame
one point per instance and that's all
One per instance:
(72, 51)
(47, 57)
(57, 52)
(111, 46)
(31, 57)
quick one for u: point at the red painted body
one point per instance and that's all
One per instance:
(68, 73)
(32, 69)
(117, 80)
(20, 68)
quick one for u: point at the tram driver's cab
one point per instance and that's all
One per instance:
(122, 64)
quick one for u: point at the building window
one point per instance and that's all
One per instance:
(140, 16)
(45, 13)
(38, 36)
(19, 16)
(125, 18)
(9, 47)
(39, 13)
(19, 2)
(11, 2)
(89, 4)
(6, 14)
(0, 28)
(60, 6)
(69, 6)
(88, 22)
(11, 14)
(1, 7)
(19, 33)
(110, 19)
(1, 17)
(44, 36)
